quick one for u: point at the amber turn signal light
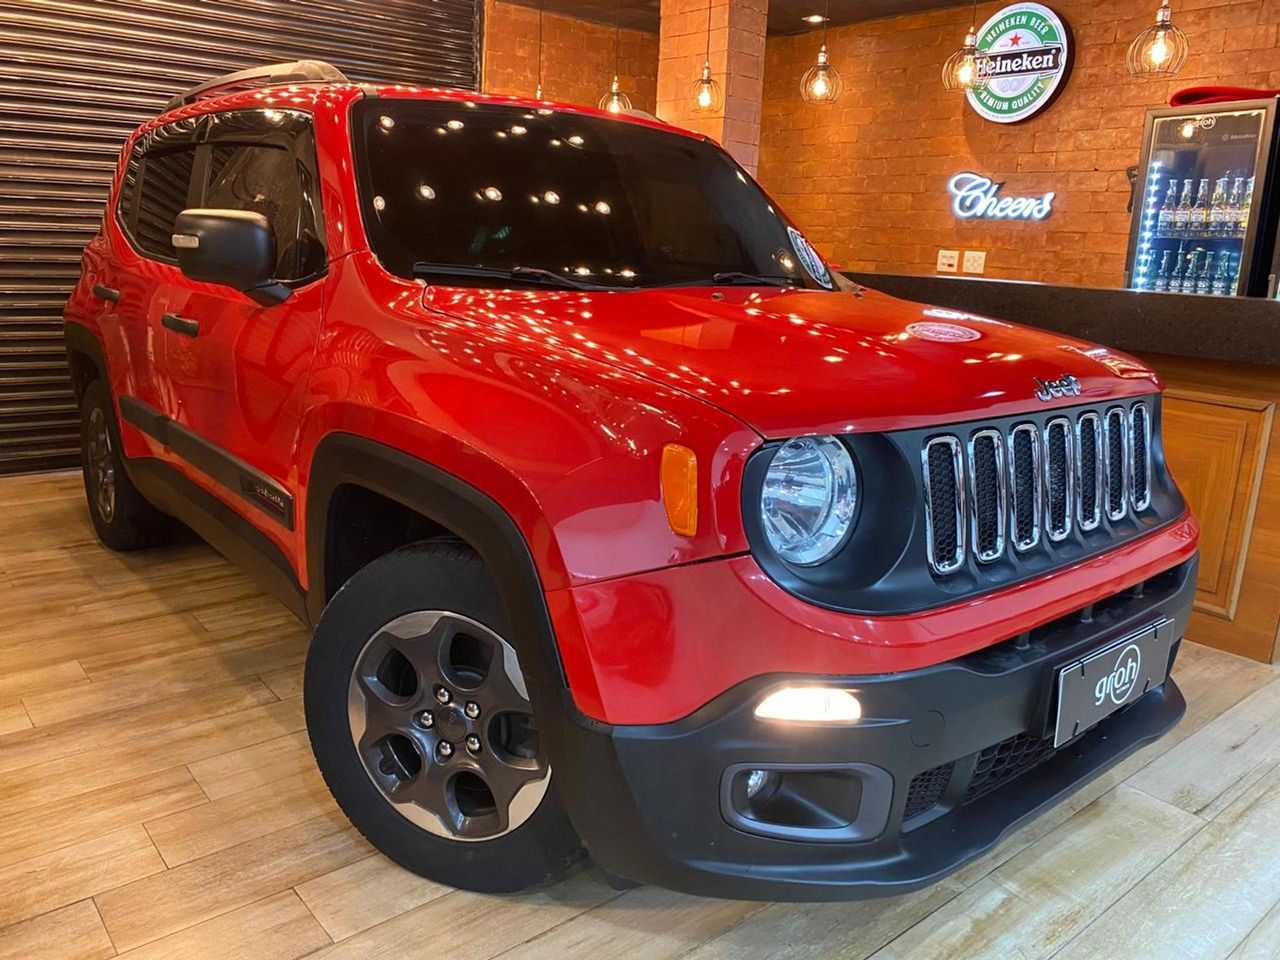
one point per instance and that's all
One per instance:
(680, 488)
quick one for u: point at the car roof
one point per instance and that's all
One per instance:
(314, 96)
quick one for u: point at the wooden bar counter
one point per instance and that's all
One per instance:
(1220, 360)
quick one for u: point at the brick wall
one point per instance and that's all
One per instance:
(866, 178)
(735, 44)
(577, 57)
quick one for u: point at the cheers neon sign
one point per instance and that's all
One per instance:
(975, 197)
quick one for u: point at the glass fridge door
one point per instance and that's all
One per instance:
(1197, 222)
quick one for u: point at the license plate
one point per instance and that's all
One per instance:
(1091, 689)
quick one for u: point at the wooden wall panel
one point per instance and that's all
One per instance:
(1221, 443)
(1216, 447)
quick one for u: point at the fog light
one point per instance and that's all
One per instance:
(759, 781)
(810, 705)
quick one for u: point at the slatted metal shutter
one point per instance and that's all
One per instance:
(76, 76)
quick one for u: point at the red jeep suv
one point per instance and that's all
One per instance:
(625, 524)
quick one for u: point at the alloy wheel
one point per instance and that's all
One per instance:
(440, 715)
(102, 468)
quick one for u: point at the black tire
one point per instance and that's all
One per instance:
(121, 516)
(440, 575)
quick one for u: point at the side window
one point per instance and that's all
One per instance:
(129, 191)
(270, 180)
(166, 180)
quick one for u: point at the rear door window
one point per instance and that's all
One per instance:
(164, 192)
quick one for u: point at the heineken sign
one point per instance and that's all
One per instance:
(1029, 51)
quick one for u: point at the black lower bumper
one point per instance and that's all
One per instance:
(946, 761)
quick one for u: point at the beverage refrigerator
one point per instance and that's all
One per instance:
(1205, 215)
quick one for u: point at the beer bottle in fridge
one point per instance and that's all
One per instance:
(1204, 279)
(1164, 224)
(1200, 212)
(1182, 215)
(1161, 282)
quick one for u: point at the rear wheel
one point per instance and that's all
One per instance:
(421, 722)
(121, 516)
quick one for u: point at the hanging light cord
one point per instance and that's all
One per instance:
(540, 4)
(973, 18)
(617, 37)
(708, 58)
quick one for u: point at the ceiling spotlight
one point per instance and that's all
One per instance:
(815, 19)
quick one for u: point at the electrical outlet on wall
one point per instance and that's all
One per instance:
(975, 261)
(948, 261)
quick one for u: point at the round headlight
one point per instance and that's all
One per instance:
(809, 499)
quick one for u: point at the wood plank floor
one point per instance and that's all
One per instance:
(158, 800)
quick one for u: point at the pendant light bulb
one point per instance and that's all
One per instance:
(967, 68)
(1161, 50)
(615, 101)
(822, 83)
(708, 97)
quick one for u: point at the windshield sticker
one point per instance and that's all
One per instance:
(809, 258)
(942, 332)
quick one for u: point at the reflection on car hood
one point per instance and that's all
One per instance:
(790, 362)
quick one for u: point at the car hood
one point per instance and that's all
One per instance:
(790, 362)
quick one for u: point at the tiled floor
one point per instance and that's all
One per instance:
(158, 800)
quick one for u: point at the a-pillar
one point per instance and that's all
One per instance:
(737, 39)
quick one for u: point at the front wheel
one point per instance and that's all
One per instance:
(421, 723)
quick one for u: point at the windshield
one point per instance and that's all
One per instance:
(596, 201)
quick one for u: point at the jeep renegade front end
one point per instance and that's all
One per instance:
(625, 524)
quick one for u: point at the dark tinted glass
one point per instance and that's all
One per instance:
(166, 178)
(268, 180)
(604, 201)
(129, 190)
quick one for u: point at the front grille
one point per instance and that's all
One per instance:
(926, 789)
(1006, 761)
(1116, 443)
(1059, 452)
(944, 503)
(1140, 451)
(1033, 484)
(1024, 470)
(1089, 473)
(989, 492)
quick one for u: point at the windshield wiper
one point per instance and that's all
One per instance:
(737, 276)
(530, 274)
(728, 278)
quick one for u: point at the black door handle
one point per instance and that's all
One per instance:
(103, 292)
(188, 328)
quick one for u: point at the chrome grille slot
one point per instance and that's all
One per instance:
(1059, 479)
(988, 490)
(1024, 483)
(1116, 436)
(944, 502)
(1089, 479)
(1140, 457)
(1038, 484)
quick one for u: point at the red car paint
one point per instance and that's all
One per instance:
(560, 416)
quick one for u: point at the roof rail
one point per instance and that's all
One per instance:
(271, 74)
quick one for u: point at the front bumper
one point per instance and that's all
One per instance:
(946, 761)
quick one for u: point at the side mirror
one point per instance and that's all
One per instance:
(234, 248)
